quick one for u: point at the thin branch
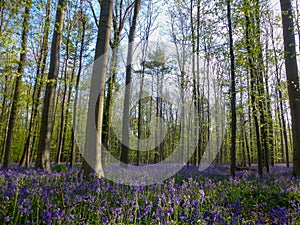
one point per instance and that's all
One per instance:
(94, 14)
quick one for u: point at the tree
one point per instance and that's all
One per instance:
(292, 79)
(119, 19)
(233, 95)
(70, 46)
(84, 25)
(157, 66)
(147, 30)
(126, 110)
(253, 91)
(92, 149)
(41, 67)
(17, 90)
(43, 157)
(280, 108)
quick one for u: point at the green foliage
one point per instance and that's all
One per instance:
(59, 168)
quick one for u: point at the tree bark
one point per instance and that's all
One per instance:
(126, 110)
(41, 66)
(292, 79)
(233, 95)
(118, 24)
(43, 157)
(60, 146)
(252, 95)
(92, 149)
(18, 88)
(73, 141)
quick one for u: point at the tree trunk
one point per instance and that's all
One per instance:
(247, 148)
(252, 96)
(43, 157)
(126, 110)
(281, 119)
(92, 149)
(18, 88)
(118, 24)
(73, 141)
(2, 5)
(292, 79)
(59, 149)
(37, 91)
(64, 137)
(298, 22)
(106, 134)
(233, 95)
(3, 118)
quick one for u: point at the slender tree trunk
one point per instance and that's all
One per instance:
(198, 93)
(162, 144)
(37, 91)
(2, 7)
(270, 126)
(292, 79)
(118, 24)
(263, 122)
(269, 119)
(126, 111)
(35, 99)
(3, 120)
(140, 120)
(283, 123)
(193, 42)
(247, 148)
(64, 98)
(242, 134)
(106, 135)
(43, 157)
(298, 22)
(73, 144)
(92, 149)
(280, 122)
(233, 94)
(283, 132)
(140, 104)
(252, 96)
(258, 70)
(62, 119)
(66, 118)
(250, 122)
(18, 88)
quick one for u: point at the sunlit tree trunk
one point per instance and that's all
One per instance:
(18, 87)
(59, 148)
(43, 157)
(41, 66)
(92, 149)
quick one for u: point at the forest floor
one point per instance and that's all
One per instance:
(29, 196)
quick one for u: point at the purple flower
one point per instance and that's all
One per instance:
(195, 203)
(104, 219)
(170, 211)
(148, 208)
